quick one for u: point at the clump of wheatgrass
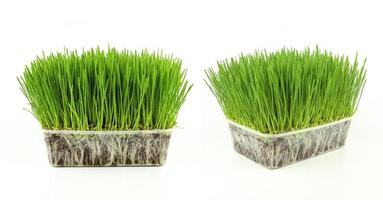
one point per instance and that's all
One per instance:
(105, 90)
(288, 89)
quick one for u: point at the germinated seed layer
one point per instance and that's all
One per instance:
(275, 152)
(107, 149)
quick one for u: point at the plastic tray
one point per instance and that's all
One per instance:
(107, 148)
(278, 150)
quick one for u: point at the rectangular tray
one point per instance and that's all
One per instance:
(278, 150)
(107, 148)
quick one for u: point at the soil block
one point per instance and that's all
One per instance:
(110, 148)
(275, 151)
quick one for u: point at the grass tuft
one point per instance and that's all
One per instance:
(288, 89)
(105, 90)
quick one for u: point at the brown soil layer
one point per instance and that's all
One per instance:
(107, 149)
(276, 152)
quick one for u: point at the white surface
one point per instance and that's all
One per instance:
(201, 162)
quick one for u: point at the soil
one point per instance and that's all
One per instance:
(107, 149)
(276, 152)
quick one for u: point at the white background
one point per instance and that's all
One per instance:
(201, 162)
